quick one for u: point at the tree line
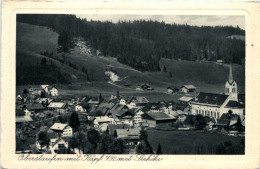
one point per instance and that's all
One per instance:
(141, 44)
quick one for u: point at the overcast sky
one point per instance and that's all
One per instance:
(198, 20)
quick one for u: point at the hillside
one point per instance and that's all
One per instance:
(85, 68)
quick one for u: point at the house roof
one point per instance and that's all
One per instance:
(233, 104)
(138, 99)
(211, 98)
(159, 115)
(36, 87)
(56, 105)
(113, 127)
(22, 119)
(35, 106)
(61, 139)
(104, 119)
(128, 133)
(185, 99)
(58, 126)
(189, 86)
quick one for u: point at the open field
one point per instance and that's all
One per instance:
(187, 142)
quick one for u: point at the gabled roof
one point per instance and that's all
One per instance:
(19, 112)
(159, 116)
(211, 98)
(128, 133)
(59, 126)
(35, 106)
(22, 119)
(189, 86)
(185, 99)
(113, 127)
(36, 87)
(139, 99)
(56, 105)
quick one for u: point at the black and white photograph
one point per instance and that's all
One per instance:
(130, 84)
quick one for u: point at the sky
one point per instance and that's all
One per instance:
(195, 20)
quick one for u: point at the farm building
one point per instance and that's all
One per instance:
(157, 119)
(188, 88)
(171, 90)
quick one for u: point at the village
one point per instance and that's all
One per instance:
(47, 122)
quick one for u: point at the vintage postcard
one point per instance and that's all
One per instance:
(162, 85)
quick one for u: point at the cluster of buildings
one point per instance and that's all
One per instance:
(124, 117)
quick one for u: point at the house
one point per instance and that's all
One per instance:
(139, 88)
(35, 89)
(157, 119)
(214, 105)
(35, 107)
(104, 119)
(53, 91)
(137, 102)
(111, 128)
(62, 130)
(219, 61)
(181, 117)
(171, 90)
(94, 100)
(122, 114)
(59, 144)
(130, 135)
(185, 99)
(122, 101)
(138, 117)
(188, 88)
(58, 107)
(79, 108)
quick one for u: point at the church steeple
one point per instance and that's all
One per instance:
(230, 79)
(231, 86)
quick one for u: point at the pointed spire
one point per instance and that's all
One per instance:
(230, 79)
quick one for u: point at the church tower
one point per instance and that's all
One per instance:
(231, 86)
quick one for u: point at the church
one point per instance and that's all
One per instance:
(214, 105)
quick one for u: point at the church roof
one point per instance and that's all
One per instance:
(234, 104)
(211, 98)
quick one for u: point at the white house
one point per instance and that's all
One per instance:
(53, 91)
(79, 108)
(122, 101)
(57, 143)
(138, 117)
(63, 130)
(214, 105)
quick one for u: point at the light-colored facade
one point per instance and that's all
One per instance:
(215, 108)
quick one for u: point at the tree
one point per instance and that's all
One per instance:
(74, 121)
(118, 146)
(43, 94)
(93, 137)
(106, 144)
(164, 69)
(143, 135)
(25, 91)
(43, 139)
(43, 61)
(100, 97)
(144, 148)
(170, 74)
(159, 149)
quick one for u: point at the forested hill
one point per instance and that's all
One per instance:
(141, 44)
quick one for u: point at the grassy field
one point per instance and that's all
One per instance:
(187, 142)
(206, 76)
